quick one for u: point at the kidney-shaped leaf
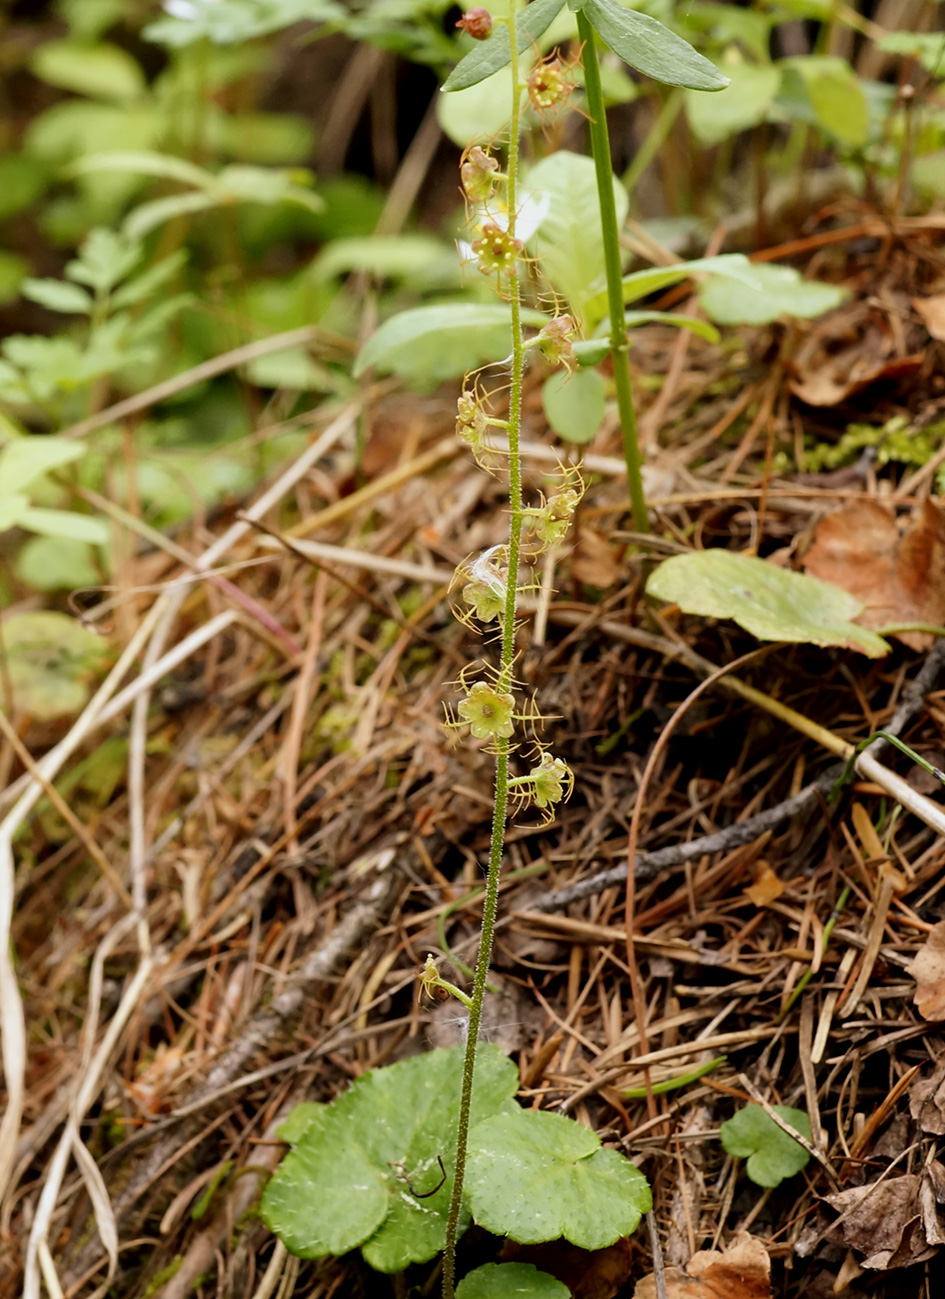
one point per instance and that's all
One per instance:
(777, 291)
(535, 1176)
(442, 341)
(574, 403)
(510, 1281)
(772, 1155)
(652, 48)
(491, 55)
(363, 1167)
(772, 603)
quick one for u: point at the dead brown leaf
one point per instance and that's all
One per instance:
(894, 1223)
(927, 1102)
(743, 1271)
(898, 579)
(595, 560)
(928, 970)
(932, 311)
(766, 886)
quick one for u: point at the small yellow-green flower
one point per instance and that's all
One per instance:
(470, 421)
(497, 251)
(478, 172)
(551, 781)
(488, 712)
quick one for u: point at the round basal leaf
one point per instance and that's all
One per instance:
(489, 56)
(574, 404)
(26, 458)
(772, 1155)
(742, 104)
(49, 660)
(770, 602)
(56, 564)
(510, 1281)
(442, 342)
(778, 291)
(652, 48)
(569, 240)
(348, 1181)
(535, 1176)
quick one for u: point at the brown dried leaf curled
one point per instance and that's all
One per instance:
(928, 970)
(897, 578)
(927, 1102)
(894, 1223)
(743, 1271)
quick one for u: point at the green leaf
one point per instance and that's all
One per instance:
(744, 103)
(652, 48)
(66, 524)
(778, 291)
(569, 240)
(13, 271)
(49, 658)
(147, 162)
(232, 22)
(146, 284)
(22, 180)
(105, 258)
(55, 564)
(398, 257)
(534, 1176)
(772, 1155)
(57, 295)
(479, 113)
(100, 71)
(642, 283)
(346, 1182)
(510, 1281)
(26, 458)
(148, 216)
(927, 47)
(770, 602)
(495, 53)
(443, 341)
(836, 97)
(574, 404)
(12, 507)
(679, 321)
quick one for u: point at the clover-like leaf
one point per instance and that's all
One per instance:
(772, 1155)
(534, 1176)
(366, 1169)
(510, 1281)
(772, 603)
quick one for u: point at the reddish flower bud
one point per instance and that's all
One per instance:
(477, 22)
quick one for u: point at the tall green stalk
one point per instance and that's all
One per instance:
(504, 684)
(600, 147)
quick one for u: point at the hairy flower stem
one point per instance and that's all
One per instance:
(503, 684)
(600, 148)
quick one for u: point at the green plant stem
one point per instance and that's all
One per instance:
(600, 147)
(500, 809)
(806, 977)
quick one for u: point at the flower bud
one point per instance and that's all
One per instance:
(477, 22)
(554, 341)
(476, 172)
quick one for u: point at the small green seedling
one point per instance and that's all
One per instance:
(772, 1155)
(898, 744)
